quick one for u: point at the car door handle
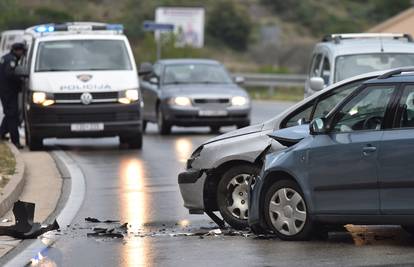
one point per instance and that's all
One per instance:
(368, 149)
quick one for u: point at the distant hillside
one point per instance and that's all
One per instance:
(248, 35)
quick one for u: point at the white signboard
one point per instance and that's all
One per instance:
(188, 22)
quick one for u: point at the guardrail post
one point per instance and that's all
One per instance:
(271, 90)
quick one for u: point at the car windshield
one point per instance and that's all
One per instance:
(81, 55)
(352, 65)
(195, 73)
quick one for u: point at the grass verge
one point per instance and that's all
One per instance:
(7, 164)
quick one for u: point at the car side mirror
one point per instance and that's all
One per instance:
(316, 83)
(153, 80)
(317, 126)
(239, 79)
(145, 69)
(21, 71)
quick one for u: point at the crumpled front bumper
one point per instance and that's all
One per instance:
(191, 183)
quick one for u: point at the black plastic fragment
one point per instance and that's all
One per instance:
(25, 228)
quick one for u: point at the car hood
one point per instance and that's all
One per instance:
(292, 135)
(203, 90)
(243, 131)
(95, 81)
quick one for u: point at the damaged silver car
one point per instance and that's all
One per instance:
(218, 172)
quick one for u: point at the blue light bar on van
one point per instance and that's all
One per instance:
(78, 27)
(45, 28)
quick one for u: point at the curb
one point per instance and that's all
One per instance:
(14, 187)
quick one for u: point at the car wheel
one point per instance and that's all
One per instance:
(214, 129)
(164, 127)
(144, 126)
(232, 195)
(35, 143)
(133, 142)
(242, 125)
(408, 228)
(286, 211)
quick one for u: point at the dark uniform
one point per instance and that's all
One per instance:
(10, 86)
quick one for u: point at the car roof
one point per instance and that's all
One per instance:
(399, 78)
(366, 46)
(188, 61)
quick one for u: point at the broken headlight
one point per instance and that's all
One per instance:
(194, 156)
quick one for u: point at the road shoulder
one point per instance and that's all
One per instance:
(43, 186)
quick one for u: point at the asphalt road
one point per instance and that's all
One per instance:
(140, 187)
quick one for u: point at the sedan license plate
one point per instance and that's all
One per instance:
(212, 113)
(86, 127)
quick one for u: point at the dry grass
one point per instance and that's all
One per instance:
(7, 161)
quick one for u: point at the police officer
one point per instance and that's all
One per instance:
(10, 86)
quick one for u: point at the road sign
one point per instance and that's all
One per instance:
(153, 26)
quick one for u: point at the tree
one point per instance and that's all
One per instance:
(230, 24)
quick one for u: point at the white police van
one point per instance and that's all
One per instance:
(81, 81)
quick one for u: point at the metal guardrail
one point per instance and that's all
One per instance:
(272, 80)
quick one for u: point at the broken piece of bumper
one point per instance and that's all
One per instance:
(191, 184)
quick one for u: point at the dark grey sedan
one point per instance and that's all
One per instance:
(354, 166)
(193, 92)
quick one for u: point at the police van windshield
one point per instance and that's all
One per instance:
(352, 65)
(195, 73)
(82, 55)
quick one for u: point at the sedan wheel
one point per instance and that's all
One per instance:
(233, 193)
(164, 127)
(286, 212)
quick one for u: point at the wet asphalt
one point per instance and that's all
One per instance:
(140, 188)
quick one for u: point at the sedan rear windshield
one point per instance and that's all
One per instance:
(82, 55)
(196, 73)
(352, 65)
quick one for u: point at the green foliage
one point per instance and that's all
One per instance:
(273, 69)
(329, 16)
(229, 23)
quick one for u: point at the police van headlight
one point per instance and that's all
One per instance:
(128, 96)
(41, 98)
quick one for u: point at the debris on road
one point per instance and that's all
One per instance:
(94, 220)
(118, 231)
(24, 228)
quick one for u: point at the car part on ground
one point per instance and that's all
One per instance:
(25, 228)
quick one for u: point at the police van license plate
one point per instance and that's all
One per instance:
(86, 127)
(212, 113)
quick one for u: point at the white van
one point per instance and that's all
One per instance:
(8, 38)
(81, 81)
(341, 56)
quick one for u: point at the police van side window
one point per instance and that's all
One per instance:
(315, 66)
(326, 70)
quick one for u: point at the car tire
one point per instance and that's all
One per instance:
(286, 213)
(164, 128)
(133, 142)
(35, 143)
(144, 126)
(214, 129)
(232, 195)
(242, 125)
(408, 228)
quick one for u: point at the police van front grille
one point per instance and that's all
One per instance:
(69, 98)
(86, 117)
